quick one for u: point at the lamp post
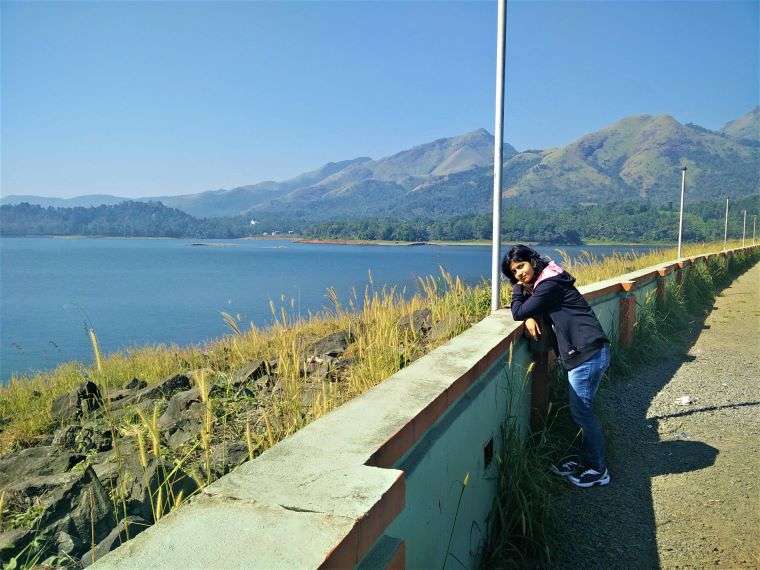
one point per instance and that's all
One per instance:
(501, 40)
(680, 218)
(744, 228)
(754, 221)
(725, 228)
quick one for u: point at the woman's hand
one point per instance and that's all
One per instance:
(531, 325)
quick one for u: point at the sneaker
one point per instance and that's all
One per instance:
(566, 467)
(589, 478)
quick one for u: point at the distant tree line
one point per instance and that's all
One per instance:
(625, 221)
(128, 219)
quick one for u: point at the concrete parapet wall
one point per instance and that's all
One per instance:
(375, 483)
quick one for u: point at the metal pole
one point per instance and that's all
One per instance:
(744, 229)
(754, 222)
(725, 228)
(501, 40)
(680, 218)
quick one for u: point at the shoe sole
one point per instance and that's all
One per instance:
(601, 482)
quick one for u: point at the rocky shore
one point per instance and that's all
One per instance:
(118, 459)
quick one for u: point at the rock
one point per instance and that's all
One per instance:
(319, 368)
(445, 328)
(75, 508)
(136, 384)
(333, 344)
(64, 543)
(179, 403)
(249, 373)
(138, 486)
(82, 400)
(95, 435)
(242, 381)
(92, 435)
(127, 528)
(129, 407)
(420, 322)
(116, 395)
(267, 387)
(13, 541)
(226, 456)
(143, 398)
(106, 464)
(166, 388)
(265, 383)
(310, 393)
(65, 438)
(35, 461)
(185, 434)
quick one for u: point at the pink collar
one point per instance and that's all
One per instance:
(551, 270)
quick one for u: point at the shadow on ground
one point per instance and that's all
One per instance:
(614, 526)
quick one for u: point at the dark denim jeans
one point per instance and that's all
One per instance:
(583, 384)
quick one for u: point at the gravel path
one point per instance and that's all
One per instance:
(685, 489)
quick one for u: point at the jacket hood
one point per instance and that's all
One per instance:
(555, 272)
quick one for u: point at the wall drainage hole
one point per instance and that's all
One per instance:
(488, 453)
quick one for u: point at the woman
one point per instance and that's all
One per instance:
(543, 291)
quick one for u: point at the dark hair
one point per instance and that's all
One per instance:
(522, 252)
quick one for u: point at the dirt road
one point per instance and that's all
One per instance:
(685, 489)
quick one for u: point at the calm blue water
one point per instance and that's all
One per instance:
(144, 291)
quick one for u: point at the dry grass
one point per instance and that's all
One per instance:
(380, 349)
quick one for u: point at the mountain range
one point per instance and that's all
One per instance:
(636, 158)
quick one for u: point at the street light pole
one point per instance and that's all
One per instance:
(725, 228)
(744, 229)
(501, 40)
(754, 221)
(680, 218)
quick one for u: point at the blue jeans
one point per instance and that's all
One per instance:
(583, 384)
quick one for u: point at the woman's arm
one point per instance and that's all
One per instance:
(544, 297)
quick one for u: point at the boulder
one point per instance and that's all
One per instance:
(179, 403)
(446, 328)
(249, 373)
(318, 368)
(65, 438)
(166, 388)
(83, 399)
(138, 486)
(75, 508)
(127, 528)
(13, 541)
(420, 322)
(242, 382)
(136, 384)
(35, 461)
(310, 393)
(95, 435)
(333, 344)
(90, 435)
(226, 456)
(185, 434)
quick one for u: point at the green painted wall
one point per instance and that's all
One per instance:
(453, 447)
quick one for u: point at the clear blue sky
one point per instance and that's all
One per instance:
(145, 98)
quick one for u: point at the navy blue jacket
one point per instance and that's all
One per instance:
(578, 332)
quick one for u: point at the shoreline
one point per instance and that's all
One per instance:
(320, 241)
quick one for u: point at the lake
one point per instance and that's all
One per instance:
(146, 291)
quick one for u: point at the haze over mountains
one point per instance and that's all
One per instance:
(636, 158)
